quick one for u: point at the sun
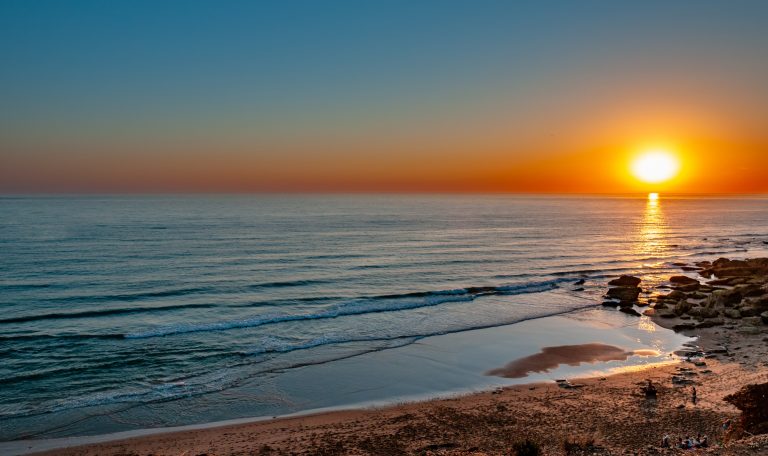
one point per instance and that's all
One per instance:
(655, 166)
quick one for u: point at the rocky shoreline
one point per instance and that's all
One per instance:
(726, 307)
(729, 293)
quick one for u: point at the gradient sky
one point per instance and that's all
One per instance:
(545, 96)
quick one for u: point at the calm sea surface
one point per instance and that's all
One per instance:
(121, 307)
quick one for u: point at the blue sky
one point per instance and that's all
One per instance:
(114, 73)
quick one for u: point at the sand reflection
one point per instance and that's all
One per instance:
(572, 355)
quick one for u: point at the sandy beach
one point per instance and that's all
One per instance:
(610, 411)
(604, 415)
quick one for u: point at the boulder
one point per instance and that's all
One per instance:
(684, 326)
(752, 400)
(683, 280)
(706, 312)
(624, 294)
(683, 306)
(710, 322)
(630, 311)
(723, 298)
(675, 296)
(732, 313)
(723, 267)
(666, 313)
(688, 288)
(695, 311)
(625, 281)
(749, 290)
(764, 317)
(748, 311)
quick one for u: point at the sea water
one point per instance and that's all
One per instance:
(131, 312)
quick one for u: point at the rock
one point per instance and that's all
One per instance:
(748, 311)
(695, 311)
(683, 280)
(690, 268)
(675, 296)
(682, 307)
(732, 313)
(723, 267)
(710, 323)
(722, 298)
(611, 303)
(649, 312)
(678, 380)
(697, 295)
(764, 317)
(688, 288)
(625, 281)
(660, 305)
(579, 282)
(752, 400)
(667, 314)
(630, 311)
(684, 326)
(624, 294)
(751, 321)
(749, 290)
(708, 312)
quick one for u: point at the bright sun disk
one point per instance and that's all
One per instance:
(655, 166)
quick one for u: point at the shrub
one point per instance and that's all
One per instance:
(526, 447)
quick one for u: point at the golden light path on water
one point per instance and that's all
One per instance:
(651, 242)
(652, 229)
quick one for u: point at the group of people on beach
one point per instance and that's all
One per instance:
(686, 443)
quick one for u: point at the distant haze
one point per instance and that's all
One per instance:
(396, 96)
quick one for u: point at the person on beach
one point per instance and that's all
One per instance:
(693, 395)
(665, 441)
(649, 390)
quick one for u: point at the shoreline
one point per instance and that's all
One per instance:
(611, 326)
(140, 437)
(534, 410)
(722, 359)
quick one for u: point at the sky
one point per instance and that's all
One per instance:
(380, 96)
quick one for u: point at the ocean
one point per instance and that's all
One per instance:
(135, 312)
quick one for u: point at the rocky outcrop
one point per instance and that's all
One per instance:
(723, 267)
(737, 296)
(752, 400)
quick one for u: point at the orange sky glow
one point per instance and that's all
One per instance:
(463, 99)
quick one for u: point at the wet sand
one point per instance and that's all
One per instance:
(572, 355)
(611, 411)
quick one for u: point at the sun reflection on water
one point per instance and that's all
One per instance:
(652, 229)
(645, 324)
